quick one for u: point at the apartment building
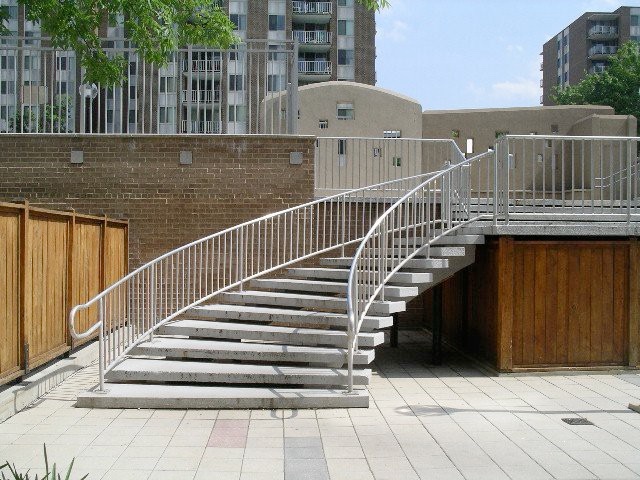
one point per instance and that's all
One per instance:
(585, 46)
(285, 43)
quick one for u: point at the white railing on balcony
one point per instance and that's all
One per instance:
(211, 65)
(201, 96)
(346, 163)
(47, 96)
(203, 126)
(603, 50)
(599, 68)
(322, 8)
(603, 30)
(312, 36)
(314, 67)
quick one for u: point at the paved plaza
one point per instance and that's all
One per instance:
(448, 422)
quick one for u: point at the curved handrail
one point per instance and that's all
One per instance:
(130, 310)
(378, 257)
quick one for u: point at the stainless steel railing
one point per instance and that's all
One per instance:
(346, 163)
(129, 311)
(438, 206)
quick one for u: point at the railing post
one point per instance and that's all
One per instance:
(241, 259)
(152, 300)
(101, 352)
(498, 151)
(629, 180)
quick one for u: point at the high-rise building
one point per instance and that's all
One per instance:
(200, 90)
(585, 46)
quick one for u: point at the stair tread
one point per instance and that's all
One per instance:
(277, 311)
(127, 395)
(301, 335)
(302, 296)
(162, 367)
(199, 344)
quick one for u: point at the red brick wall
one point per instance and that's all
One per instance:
(232, 179)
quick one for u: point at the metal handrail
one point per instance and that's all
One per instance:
(380, 255)
(130, 310)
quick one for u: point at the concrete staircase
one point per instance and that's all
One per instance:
(280, 343)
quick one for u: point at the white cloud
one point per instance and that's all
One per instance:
(515, 48)
(525, 89)
(396, 31)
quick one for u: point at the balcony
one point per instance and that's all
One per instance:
(207, 126)
(201, 96)
(602, 51)
(603, 32)
(312, 12)
(202, 66)
(315, 40)
(314, 67)
(598, 68)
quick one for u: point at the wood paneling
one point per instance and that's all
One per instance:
(50, 261)
(10, 335)
(570, 303)
(46, 302)
(547, 303)
(86, 270)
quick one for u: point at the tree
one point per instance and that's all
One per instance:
(618, 86)
(156, 28)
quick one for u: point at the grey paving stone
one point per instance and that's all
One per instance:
(303, 452)
(298, 442)
(306, 469)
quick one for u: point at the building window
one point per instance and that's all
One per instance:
(342, 146)
(236, 83)
(345, 111)
(469, 145)
(132, 92)
(167, 114)
(345, 27)
(554, 129)
(8, 61)
(61, 88)
(323, 124)
(132, 116)
(237, 113)
(396, 161)
(635, 20)
(345, 3)
(276, 54)
(7, 86)
(377, 151)
(167, 85)
(240, 21)
(391, 134)
(276, 22)
(276, 83)
(345, 57)
(61, 63)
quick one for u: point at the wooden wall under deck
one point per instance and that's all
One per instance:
(547, 303)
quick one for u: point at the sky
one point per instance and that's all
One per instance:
(452, 54)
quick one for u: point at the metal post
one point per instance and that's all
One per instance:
(629, 192)
(495, 182)
(101, 352)
(292, 96)
(152, 300)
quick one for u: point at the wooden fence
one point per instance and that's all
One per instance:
(49, 262)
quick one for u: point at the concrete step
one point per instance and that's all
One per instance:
(416, 263)
(205, 397)
(167, 371)
(190, 348)
(283, 315)
(289, 335)
(321, 287)
(433, 252)
(343, 274)
(256, 297)
(446, 240)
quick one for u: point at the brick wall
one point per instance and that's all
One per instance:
(232, 179)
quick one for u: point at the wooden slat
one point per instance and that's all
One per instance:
(505, 304)
(9, 295)
(518, 306)
(539, 296)
(634, 303)
(551, 305)
(607, 305)
(596, 319)
(621, 303)
(562, 310)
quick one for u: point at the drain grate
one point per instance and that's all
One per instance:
(577, 421)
